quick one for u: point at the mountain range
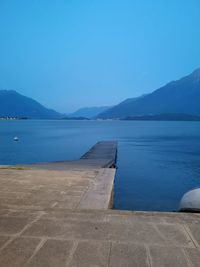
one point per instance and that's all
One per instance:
(177, 97)
(13, 104)
(181, 96)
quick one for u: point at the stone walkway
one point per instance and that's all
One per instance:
(98, 238)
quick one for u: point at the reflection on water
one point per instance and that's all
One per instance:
(157, 161)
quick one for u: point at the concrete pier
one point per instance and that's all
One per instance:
(57, 214)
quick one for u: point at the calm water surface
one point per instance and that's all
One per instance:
(157, 161)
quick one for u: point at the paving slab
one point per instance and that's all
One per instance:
(193, 255)
(3, 240)
(89, 254)
(167, 257)
(18, 251)
(174, 234)
(128, 255)
(53, 253)
(12, 225)
(195, 231)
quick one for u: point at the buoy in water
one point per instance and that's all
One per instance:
(190, 201)
(16, 138)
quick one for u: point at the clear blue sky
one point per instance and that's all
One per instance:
(73, 53)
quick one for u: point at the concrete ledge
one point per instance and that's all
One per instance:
(99, 193)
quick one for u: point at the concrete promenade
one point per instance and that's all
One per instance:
(57, 215)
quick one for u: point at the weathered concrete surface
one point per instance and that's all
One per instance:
(45, 221)
(98, 238)
(39, 189)
(56, 215)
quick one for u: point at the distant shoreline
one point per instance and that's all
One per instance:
(8, 118)
(156, 117)
(164, 117)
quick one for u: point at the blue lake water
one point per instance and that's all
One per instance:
(157, 161)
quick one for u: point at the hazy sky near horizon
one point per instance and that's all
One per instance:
(76, 53)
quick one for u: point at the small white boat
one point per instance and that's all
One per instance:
(16, 138)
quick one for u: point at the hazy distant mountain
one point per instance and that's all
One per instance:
(13, 104)
(182, 96)
(89, 112)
